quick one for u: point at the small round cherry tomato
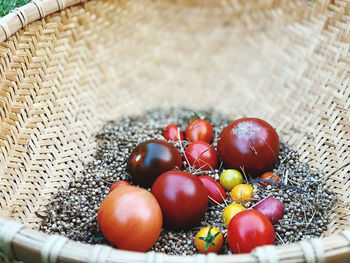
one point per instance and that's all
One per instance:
(182, 197)
(199, 130)
(209, 240)
(173, 133)
(242, 193)
(269, 176)
(202, 156)
(249, 229)
(250, 143)
(216, 193)
(152, 158)
(230, 211)
(230, 178)
(130, 218)
(118, 184)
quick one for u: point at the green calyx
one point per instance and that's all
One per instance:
(209, 239)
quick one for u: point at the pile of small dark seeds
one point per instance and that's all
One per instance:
(308, 201)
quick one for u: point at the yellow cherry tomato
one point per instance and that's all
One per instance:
(209, 240)
(230, 178)
(242, 193)
(230, 211)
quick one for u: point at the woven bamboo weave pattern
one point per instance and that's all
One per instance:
(63, 76)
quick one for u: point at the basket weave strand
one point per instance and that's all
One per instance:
(62, 77)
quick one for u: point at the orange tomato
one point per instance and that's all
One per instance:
(269, 176)
(209, 240)
(242, 193)
(130, 218)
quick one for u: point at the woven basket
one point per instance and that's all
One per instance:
(81, 64)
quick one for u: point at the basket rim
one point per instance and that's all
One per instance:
(23, 243)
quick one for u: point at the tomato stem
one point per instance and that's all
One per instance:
(209, 239)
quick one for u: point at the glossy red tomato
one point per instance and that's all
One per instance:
(173, 133)
(215, 191)
(118, 184)
(199, 130)
(182, 198)
(130, 218)
(202, 156)
(250, 143)
(249, 229)
(152, 158)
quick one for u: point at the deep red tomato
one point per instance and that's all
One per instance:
(249, 229)
(182, 198)
(173, 133)
(118, 184)
(202, 156)
(215, 190)
(152, 158)
(130, 218)
(199, 130)
(250, 143)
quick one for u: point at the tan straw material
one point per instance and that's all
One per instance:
(63, 76)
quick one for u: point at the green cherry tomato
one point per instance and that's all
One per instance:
(230, 178)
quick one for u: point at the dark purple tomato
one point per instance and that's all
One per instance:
(182, 197)
(251, 144)
(150, 159)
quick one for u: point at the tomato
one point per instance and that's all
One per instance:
(199, 130)
(250, 143)
(130, 218)
(173, 133)
(216, 193)
(242, 193)
(230, 211)
(249, 229)
(152, 158)
(209, 240)
(118, 184)
(201, 155)
(269, 176)
(230, 178)
(182, 197)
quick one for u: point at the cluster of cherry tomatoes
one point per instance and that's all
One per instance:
(132, 218)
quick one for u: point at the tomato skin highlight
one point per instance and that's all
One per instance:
(250, 143)
(130, 218)
(182, 198)
(215, 190)
(199, 130)
(150, 159)
(249, 229)
(173, 133)
(118, 184)
(202, 156)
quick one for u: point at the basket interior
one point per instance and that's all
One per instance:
(64, 76)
